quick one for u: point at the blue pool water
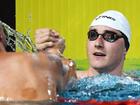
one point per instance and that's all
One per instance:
(104, 87)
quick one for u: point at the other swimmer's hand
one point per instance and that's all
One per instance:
(48, 38)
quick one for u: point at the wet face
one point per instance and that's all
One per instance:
(103, 55)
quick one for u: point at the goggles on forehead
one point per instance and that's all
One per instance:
(108, 36)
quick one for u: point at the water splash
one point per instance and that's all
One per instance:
(23, 42)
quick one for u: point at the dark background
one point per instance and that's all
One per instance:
(7, 15)
(7, 12)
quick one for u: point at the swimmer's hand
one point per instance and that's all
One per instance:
(48, 38)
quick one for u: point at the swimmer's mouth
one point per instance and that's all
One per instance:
(99, 54)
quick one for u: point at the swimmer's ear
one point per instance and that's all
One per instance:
(124, 51)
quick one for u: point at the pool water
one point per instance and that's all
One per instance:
(104, 89)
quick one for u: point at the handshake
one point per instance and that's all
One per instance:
(49, 40)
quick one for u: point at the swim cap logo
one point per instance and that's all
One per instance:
(107, 17)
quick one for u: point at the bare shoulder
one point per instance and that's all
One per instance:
(85, 73)
(81, 74)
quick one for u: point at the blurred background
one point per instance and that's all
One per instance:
(72, 18)
(7, 12)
